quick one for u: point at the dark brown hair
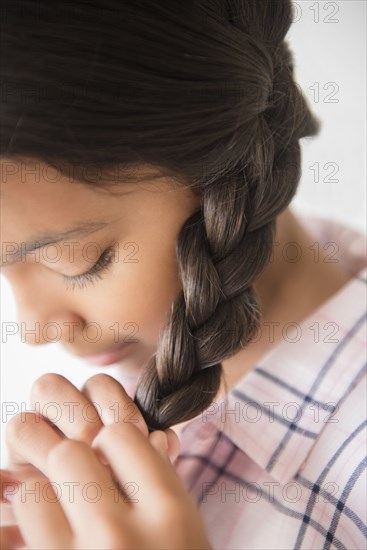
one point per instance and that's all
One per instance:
(201, 90)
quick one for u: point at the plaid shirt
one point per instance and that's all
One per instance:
(282, 463)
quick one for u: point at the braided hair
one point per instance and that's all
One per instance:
(205, 93)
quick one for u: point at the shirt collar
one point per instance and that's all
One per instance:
(277, 411)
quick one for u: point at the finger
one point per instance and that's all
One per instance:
(159, 440)
(9, 484)
(94, 494)
(40, 516)
(113, 402)
(166, 443)
(11, 537)
(134, 459)
(29, 438)
(173, 444)
(66, 407)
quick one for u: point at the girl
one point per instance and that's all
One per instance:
(163, 139)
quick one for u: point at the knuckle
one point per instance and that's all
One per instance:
(108, 430)
(88, 431)
(46, 384)
(97, 380)
(107, 433)
(19, 425)
(64, 450)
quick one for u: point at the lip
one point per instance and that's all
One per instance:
(108, 357)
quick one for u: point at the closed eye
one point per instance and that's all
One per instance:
(96, 272)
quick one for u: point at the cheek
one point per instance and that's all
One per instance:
(137, 297)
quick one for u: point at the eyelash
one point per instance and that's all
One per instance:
(90, 276)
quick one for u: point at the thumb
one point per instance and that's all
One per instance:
(173, 444)
(166, 443)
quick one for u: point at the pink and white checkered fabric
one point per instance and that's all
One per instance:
(282, 463)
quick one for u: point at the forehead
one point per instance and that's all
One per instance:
(37, 199)
(32, 195)
(37, 196)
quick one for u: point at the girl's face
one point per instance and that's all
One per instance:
(137, 225)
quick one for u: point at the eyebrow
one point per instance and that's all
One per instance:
(81, 229)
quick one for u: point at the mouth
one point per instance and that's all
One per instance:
(108, 357)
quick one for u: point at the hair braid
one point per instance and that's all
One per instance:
(214, 314)
(223, 248)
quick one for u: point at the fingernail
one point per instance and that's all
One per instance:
(163, 441)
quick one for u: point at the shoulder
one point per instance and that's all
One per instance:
(337, 466)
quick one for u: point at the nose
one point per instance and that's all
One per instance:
(44, 313)
(40, 326)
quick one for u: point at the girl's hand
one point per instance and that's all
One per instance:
(83, 509)
(75, 414)
(66, 412)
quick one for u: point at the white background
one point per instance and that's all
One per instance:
(329, 56)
